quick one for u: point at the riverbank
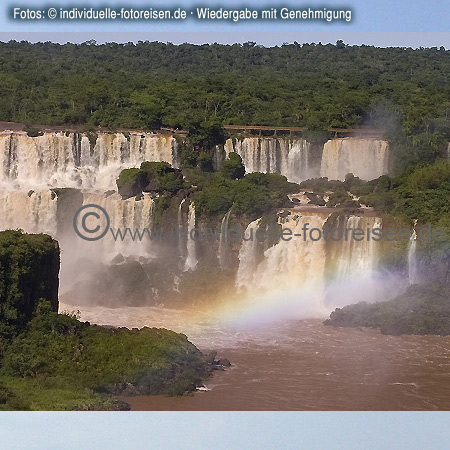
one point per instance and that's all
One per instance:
(301, 365)
(60, 363)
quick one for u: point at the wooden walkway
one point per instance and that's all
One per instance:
(334, 132)
(250, 129)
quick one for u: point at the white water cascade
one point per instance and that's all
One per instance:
(248, 257)
(69, 160)
(295, 158)
(364, 158)
(357, 258)
(31, 167)
(180, 224)
(290, 157)
(412, 258)
(291, 273)
(136, 215)
(308, 274)
(223, 240)
(191, 258)
(33, 212)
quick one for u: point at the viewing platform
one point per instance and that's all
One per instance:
(363, 132)
(259, 130)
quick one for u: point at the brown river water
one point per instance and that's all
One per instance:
(299, 365)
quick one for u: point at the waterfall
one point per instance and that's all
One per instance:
(312, 275)
(248, 257)
(357, 258)
(191, 258)
(294, 262)
(298, 167)
(289, 280)
(32, 169)
(295, 159)
(412, 259)
(218, 157)
(290, 157)
(33, 212)
(353, 272)
(130, 213)
(364, 158)
(67, 160)
(180, 224)
(223, 240)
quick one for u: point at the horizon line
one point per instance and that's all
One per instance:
(410, 40)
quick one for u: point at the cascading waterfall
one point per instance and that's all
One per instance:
(412, 258)
(290, 157)
(223, 240)
(357, 258)
(289, 280)
(191, 258)
(294, 158)
(60, 160)
(296, 262)
(180, 224)
(130, 213)
(248, 257)
(33, 212)
(29, 166)
(298, 270)
(218, 157)
(352, 266)
(364, 158)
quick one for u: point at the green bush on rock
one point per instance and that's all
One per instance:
(156, 177)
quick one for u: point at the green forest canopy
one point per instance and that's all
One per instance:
(150, 84)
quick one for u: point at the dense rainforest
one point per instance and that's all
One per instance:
(147, 85)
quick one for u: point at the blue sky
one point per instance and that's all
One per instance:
(220, 430)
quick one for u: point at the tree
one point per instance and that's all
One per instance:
(232, 167)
